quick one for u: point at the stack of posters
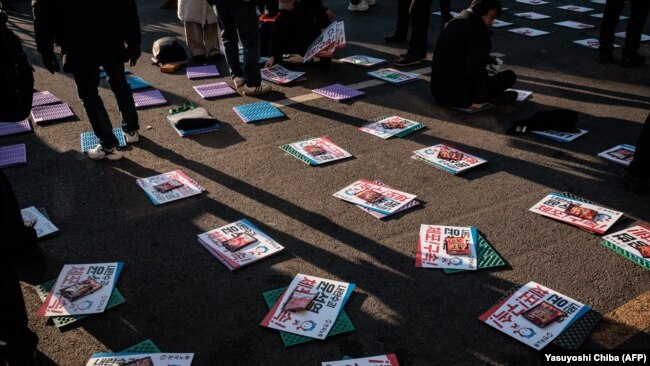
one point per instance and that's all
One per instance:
(379, 215)
(89, 140)
(316, 151)
(260, 111)
(141, 359)
(574, 25)
(338, 92)
(316, 301)
(169, 187)
(469, 110)
(447, 158)
(332, 38)
(620, 154)
(239, 244)
(214, 90)
(633, 243)
(576, 212)
(13, 128)
(391, 126)
(560, 136)
(81, 289)
(500, 23)
(532, 15)
(136, 82)
(535, 315)
(393, 76)
(486, 256)
(533, 2)
(577, 9)
(202, 72)
(362, 60)
(44, 98)
(381, 360)
(13, 155)
(442, 247)
(280, 75)
(51, 112)
(375, 197)
(199, 121)
(34, 218)
(528, 32)
(150, 98)
(592, 43)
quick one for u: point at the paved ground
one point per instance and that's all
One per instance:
(185, 301)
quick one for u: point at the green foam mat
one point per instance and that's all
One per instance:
(577, 333)
(292, 152)
(343, 324)
(640, 261)
(146, 346)
(487, 257)
(44, 288)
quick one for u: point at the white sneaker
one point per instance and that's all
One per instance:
(98, 153)
(256, 90)
(238, 81)
(132, 137)
(361, 6)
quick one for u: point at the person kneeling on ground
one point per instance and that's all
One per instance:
(297, 26)
(459, 77)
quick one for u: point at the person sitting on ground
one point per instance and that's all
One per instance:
(297, 26)
(459, 77)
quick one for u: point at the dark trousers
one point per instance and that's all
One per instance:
(239, 19)
(453, 94)
(403, 9)
(86, 76)
(420, 16)
(640, 166)
(21, 341)
(638, 16)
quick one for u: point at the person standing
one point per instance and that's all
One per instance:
(420, 14)
(202, 33)
(637, 175)
(240, 22)
(92, 34)
(638, 17)
(403, 18)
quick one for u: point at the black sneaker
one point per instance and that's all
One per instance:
(505, 98)
(395, 38)
(605, 57)
(632, 60)
(407, 60)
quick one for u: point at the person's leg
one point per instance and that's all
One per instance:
(613, 10)
(212, 40)
(445, 10)
(402, 26)
(86, 78)
(499, 82)
(245, 19)
(420, 15)
(123, 95)
(229, 38)
(194, 38)
(638, 17)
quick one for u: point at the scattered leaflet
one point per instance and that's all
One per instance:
(32, 217)
(560, 136)
(446, 247)
(155, 187)
(447, 158)
(486, 256)
(521, 94)
(391, 126)
(394, 76)
(532, 15)
(574, 25)
(533, 2)
(259, 111)
(534, 315)
(141, 359)
(592, 43)
(621, 154)
(381, 360)
(89, 140)
(528, 32)
(363, 60)
(317, 320)
(632, 243)
(12, 155)
(316, 151)
(644, 37)
(574, 212)
(374, 196)
(578, 9)
(104, 274)
(323, 42)
(280, 75)
(239, 244)
(150, 98)
(380, 216)
(202, 72)
(214, 90)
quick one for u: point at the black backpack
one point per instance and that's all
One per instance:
(16, 76)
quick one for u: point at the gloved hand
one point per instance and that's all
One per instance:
(134, 54)
(50, 62)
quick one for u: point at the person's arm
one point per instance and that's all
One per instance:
(133, 34)
(44, 31)
(475, 72)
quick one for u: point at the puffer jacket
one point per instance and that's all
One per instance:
(196, 11)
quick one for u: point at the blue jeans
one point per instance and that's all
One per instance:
(239, 19)
(87, 79)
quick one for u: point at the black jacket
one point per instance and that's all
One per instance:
(295, 30)
(458, 70)
(87, 30)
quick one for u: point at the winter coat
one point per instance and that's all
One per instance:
(462, 52)
(196, 11)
